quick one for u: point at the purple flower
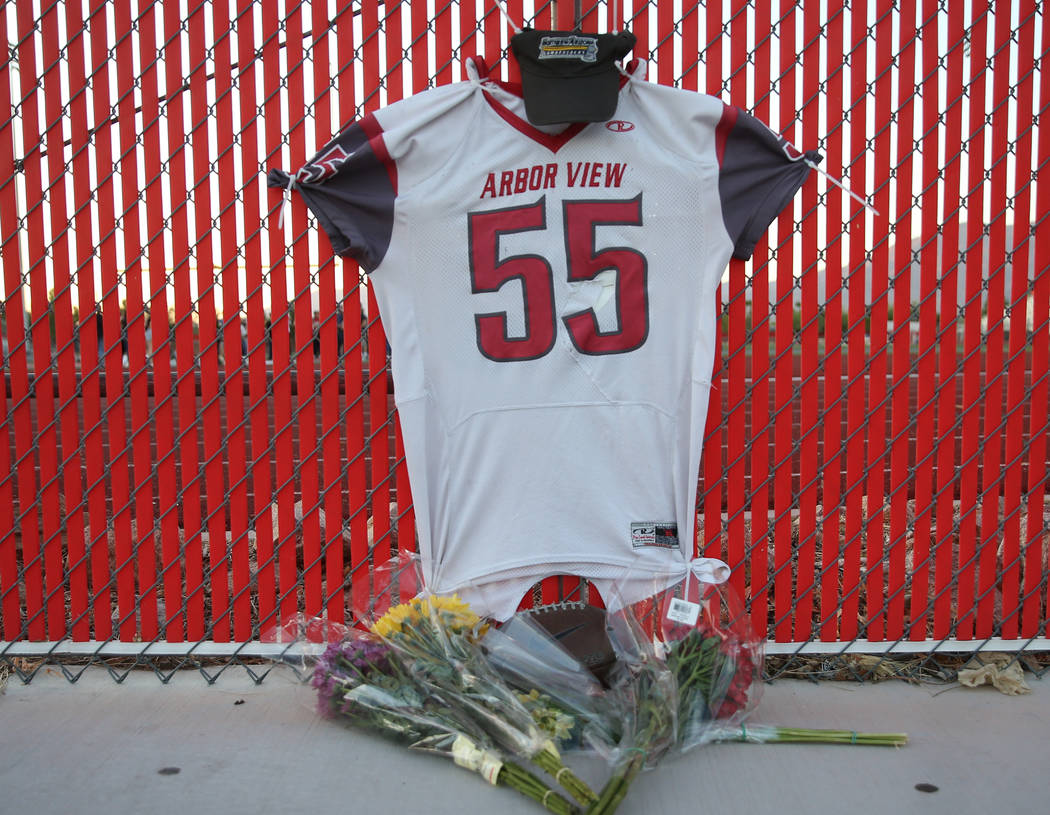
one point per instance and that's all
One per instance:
(345, 664)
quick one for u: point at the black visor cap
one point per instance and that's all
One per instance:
(570, 76)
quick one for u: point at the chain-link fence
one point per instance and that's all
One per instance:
(198, 436)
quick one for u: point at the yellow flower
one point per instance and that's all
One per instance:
(452, 613)
(392, 622)
(547, 717)
(449, 612)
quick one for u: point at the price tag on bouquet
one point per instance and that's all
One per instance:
(682, 611)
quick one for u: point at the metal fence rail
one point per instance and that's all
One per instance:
(197, 435)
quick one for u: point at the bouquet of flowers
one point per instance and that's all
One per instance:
(703, 633)
(361, 681)
(680, 668)
(438, 641)
(705, 637)
(437, 638)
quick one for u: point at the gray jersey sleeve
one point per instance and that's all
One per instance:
(350, 186)
(759, 174)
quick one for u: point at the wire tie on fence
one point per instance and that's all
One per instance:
(287, 200)
(797, 155)
(503, 10)
(862, 201)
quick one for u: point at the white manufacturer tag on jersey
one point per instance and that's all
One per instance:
(682, 611)
(653, 533)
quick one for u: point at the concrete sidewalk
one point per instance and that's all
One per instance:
(236, 747)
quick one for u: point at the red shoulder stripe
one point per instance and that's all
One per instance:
(724, 128)
(374, 132)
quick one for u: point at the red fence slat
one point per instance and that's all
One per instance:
(832, 416)
(235, 538)
(264, 519)
(993, 340)
(377, 436)
(84, 528)
(329, 440)
(948, 417)
(761, 451)
(924, 420)
(878, 363)
(202, 245)
(67, 472)
(784, 337)
(353, 327)
(10, 602)
(637, 23)
(972, 339)
(442, 48)
(283, 328)
(42, 436)
(901, 414)
(113, 325)
(304, 418)
(856, 339)
(691, 53)
(143, 552)
(192, 623)
(92, 523)
(10, 588)
(712, 466)
(664, 52)
(169, 578)
(812, 357)
(1036, 586)
(1013, 601)
(736, 352)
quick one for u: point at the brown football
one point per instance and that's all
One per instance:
(581, 630)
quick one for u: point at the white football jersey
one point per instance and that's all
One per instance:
(550, 302)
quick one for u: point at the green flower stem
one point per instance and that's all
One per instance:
(615, 790)
(697, 660)
(786, 734)
(763, 734)
(550, 762)
(518, 778)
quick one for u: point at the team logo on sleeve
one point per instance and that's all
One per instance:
(573, 46)
(324, 165)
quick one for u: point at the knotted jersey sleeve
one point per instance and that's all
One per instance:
(350, 185)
